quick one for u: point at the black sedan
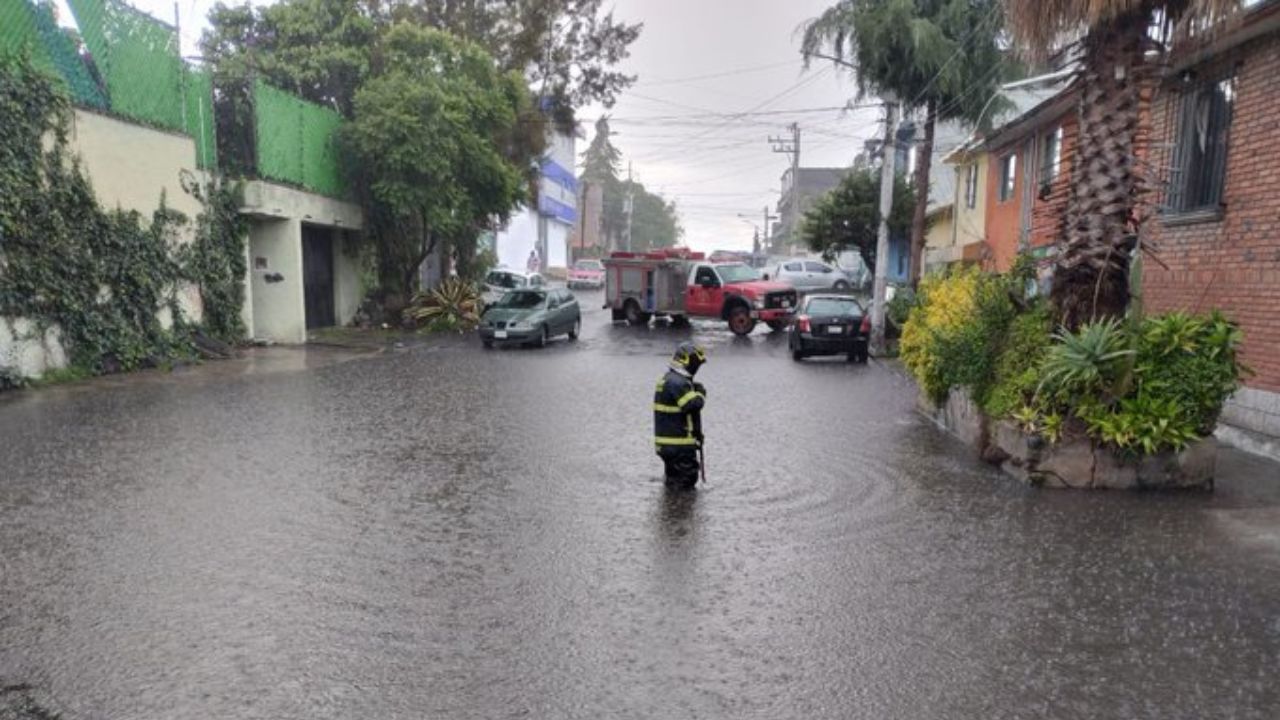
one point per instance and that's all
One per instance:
(830, 325)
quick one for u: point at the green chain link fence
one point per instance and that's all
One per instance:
(132, 68)
(130, 65)
(138, 57)
(32, 28)
(199, 115)
(294, 140)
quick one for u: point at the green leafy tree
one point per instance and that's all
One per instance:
(426, 148)
(848, 217)
(601, 162)
(655, 222)
(568, 49)
(939, 57)
(323, 49)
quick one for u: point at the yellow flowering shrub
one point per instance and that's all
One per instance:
(948, 304)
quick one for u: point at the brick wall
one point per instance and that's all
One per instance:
(1231, 262)
(1048, 212)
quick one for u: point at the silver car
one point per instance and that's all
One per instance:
(811, 275)
(498, 282)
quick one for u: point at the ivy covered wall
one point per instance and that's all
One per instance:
(105, 281)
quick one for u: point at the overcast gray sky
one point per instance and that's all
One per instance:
(678, 126)
(681, 128)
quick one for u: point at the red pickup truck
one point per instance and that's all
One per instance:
(681, 284)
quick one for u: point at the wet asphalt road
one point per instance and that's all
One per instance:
(445, 532)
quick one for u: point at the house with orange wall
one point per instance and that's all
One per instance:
(1028, 163)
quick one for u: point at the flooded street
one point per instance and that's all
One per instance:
(445, 532)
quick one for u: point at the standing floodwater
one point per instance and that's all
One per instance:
(452, 533)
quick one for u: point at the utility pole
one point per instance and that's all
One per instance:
(882, 236)
(628, 205)
(582, 219)
(767, 218)
(789, 146)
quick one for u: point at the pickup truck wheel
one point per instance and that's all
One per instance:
(635, 316)
(777, 325)
(740, 321)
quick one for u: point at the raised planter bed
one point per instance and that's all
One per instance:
(1072, 463)
(1081, 463)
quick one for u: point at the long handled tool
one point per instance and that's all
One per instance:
(702, 462)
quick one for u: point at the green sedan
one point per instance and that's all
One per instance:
(531, 317)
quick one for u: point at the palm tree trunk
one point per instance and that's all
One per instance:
(924, 162)
(1091, 274)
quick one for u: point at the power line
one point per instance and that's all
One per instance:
(712, 76)
(758, 107)
(711, 114)
(960, 49)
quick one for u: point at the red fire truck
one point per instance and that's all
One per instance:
(680, 284)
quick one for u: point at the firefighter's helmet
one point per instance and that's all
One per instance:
(689, 356)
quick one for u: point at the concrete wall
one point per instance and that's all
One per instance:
(275, 271)
(346, 278)
(29, 351)
(517, 239)
(275, 290)
(557, 244)
(939, 231)
(129, 167)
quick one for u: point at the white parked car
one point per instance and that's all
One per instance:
(810, 275)
(498, 282)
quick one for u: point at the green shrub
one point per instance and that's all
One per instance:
(1190, 361)
(1138, 386)
(898, 310)
(1141, 424)
(954, 336)
(1017, 369)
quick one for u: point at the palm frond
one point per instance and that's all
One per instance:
(1039, 27)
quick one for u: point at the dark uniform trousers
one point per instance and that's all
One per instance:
(677, 408)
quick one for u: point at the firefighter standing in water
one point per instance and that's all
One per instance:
(677, 417)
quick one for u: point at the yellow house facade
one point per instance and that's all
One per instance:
(960, 237)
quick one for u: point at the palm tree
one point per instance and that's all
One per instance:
(941, 57)
(1116, 77)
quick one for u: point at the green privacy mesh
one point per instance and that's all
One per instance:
(199, 116)
(295, 140)
(138, 56)
(17, 25)
(24, 25)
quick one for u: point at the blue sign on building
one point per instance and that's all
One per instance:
(552, 208)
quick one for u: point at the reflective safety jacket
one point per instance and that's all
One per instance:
(676, 405)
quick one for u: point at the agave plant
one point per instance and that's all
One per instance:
(455, 305)
(1088, 362)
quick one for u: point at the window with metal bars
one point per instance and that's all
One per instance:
(1199, 165)
(971, 186)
